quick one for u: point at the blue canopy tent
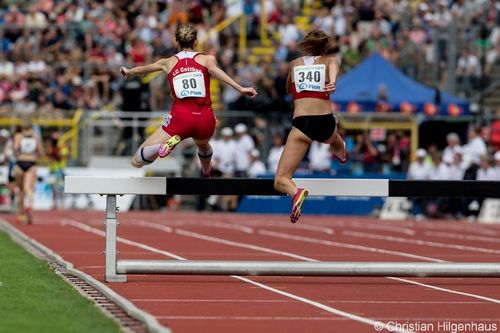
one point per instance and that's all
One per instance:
(362, 84)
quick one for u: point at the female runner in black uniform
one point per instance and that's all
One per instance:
(311, 79)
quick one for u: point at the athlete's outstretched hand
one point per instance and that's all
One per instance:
(330, 88)
(125, 72)
(251, 92)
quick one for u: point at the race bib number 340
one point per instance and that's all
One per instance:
(310, 78)
(190, 84)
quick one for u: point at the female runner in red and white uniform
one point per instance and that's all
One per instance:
(188, 75)
(311, 79)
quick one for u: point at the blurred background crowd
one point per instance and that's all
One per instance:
(59, 56)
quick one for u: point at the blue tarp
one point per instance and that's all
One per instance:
(362, 85)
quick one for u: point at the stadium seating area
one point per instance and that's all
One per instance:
(75, 47)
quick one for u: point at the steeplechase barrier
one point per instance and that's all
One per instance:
(117, 270)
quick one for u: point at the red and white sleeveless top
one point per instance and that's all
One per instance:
(309, 80)
(189, 82)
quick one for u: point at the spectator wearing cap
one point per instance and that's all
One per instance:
(244, 145)
(225, 153)
(257, 167)
(275, 153)
(419, 169)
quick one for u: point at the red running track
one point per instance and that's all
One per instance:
(288, 304)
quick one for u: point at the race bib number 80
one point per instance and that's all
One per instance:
(190, 84)
(310, 78)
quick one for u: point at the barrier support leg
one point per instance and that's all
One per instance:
(111, 252)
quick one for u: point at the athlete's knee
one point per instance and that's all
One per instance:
(279, 181)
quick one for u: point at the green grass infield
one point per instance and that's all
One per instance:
(33, 298)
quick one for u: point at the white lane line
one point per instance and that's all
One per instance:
(493, 300)
(419, 242)
(293, 255)
(348, 315)
(101, 233)
(251, 223)
(156, 226)
(464, 228)
(383, 227)
(462, 237)
(237, 244)
(191, 300)
(277, 224)
(413, 319)
(371, 322)
(344, 245)
(185, 223)
(251, 318)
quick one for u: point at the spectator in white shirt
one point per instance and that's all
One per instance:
(468, 71)
(289, 33)
(443, 169)
(244, 145)
(257, 167)
(456, 169)
(275, 153)
(225, 153)
(474, 149)
(320, 157)
(485, 171)
(453, 145)
(419, 169)
(497, 165)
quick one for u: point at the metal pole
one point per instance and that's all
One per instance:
(110, 252)
(291, 268)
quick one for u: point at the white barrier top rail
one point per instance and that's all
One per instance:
(315, 186)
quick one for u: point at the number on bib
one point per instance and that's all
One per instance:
(310, 78)
(190, 84)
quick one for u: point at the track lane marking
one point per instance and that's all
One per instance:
(368, 321)
(95, 231)
(493, 300)
(324, 307)
(451, 235)
(191, 300)
(237, 244)
(344, 245)
(419, 242)
(293, 255)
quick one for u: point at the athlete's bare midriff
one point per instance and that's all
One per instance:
(311, 107)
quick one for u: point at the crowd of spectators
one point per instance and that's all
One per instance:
(470, 161)
(57, 55)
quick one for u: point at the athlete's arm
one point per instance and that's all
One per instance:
(16, 144)
(333, 72)
(289, 79)
(160, 65)
(39, 148)
(219, 74)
